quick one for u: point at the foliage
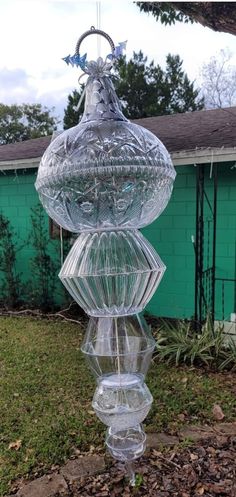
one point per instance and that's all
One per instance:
(71, 115)
(228, 355)
(219, 81)
(10, 287)
(146, 89)
(181, 344)
(46, 393)
(43, 267)
(218, 16)
(22, 122)
(164, 12)
(138, 480)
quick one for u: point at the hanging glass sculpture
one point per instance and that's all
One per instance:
(105, 178)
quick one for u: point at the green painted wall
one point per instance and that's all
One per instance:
(226, 241)
(17, 197)
(170, 234)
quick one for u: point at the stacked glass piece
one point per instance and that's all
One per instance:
(105, 178)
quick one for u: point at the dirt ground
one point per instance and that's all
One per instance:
(200, 461)
(207, 468)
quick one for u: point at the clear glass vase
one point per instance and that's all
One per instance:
(119, 345)
(112, 273)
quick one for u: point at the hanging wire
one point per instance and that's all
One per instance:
(62, 247)
(98, 27)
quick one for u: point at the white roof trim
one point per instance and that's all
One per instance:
(203, 156)
(19, 164)
(182, 158)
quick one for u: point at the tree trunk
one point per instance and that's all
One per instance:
(219, 16)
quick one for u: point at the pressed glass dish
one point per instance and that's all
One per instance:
(122, 400)
(112, 273)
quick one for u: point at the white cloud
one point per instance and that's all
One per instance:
(35, 35)
(14, 85)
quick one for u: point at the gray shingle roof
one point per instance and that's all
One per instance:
(28, 149)
(193, 130)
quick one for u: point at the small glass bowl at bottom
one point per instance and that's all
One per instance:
(126, 445)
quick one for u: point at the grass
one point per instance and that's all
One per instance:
(187, 395)
(46, 391)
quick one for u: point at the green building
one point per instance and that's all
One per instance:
(195, 236)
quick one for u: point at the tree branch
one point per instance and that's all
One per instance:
(218, 16)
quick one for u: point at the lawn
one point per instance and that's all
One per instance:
(46, 390)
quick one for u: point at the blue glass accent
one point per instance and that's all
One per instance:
(76, 60)
(66, 59)
(127, 187)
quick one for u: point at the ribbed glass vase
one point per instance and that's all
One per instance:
(112, 273)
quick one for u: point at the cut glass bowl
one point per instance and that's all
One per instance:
(106, 172)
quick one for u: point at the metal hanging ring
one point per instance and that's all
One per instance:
(95, 31)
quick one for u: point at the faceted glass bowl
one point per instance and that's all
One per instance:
(122, 400)
(118, 345)
(103, 174)
(112, 273)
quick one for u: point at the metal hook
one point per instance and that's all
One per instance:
(91, 31)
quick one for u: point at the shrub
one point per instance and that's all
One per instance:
(44, 269)
(228, 356)
(181, 344)
(10, 286)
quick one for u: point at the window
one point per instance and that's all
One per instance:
(54, 230)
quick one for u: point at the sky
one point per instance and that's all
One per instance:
(36, 34)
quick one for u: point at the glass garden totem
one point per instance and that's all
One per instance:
(104, 179)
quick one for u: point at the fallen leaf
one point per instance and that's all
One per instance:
(217, 412)
(200, 490)
(193, 457)
(156, 453)
(15, 445)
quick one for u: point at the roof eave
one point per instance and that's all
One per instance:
(203, 156)
(181, 158)
(19, 164)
